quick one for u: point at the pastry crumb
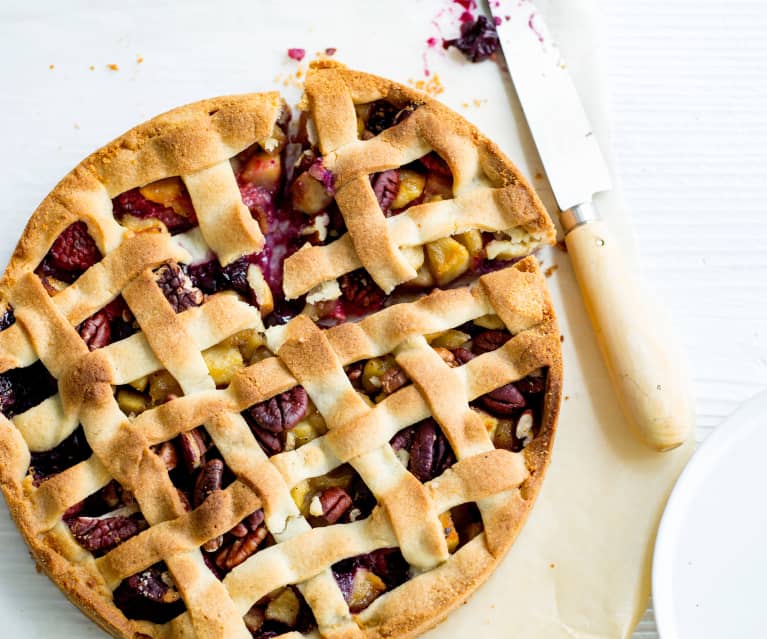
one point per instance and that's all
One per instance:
(567, 398)
(113, 67)
(561, 339)
(552, 565)
(51, 66)
(561, 246)
(139, 59)
(551, 270)
(433, 86)
(538, 175)
(92, 68)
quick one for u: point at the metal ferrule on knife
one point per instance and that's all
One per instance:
(578, 215)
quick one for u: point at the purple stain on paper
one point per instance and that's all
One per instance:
(533, 28)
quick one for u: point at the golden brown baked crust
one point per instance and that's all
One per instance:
(196, 142)
(489, 191)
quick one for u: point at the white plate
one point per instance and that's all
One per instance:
(710, 565)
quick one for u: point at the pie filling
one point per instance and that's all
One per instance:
(290, 194)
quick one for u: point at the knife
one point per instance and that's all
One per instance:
(647, 373)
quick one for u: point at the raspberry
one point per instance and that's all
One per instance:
(478, 40)
(133, 203)
(259, 200)
(361, 293)
(296, 54)
(73, 252)
(435, 164)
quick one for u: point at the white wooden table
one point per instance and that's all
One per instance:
(689, 99)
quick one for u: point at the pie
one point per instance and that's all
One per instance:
(266, 375)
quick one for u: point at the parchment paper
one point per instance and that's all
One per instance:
(580, 568)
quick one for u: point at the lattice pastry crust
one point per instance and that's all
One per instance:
(197, 142)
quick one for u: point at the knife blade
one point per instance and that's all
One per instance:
(644, 362)
(570, 153)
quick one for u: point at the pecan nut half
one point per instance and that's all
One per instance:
(102, 534)
(281, 412)
(95, 331)
(489, 340)
(241, 549)
(504, 400)
(463, 355)
(193, 449)
(249, 524)
(212, 545)
(430, 452)
(209, 480)
(335, 502)
(393, 379)
(167, 452)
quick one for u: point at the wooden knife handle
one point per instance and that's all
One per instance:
(648, 375)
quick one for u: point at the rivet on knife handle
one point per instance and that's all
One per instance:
(650, 379)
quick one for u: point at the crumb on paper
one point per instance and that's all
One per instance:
(567, 398)
(551, 270)
(296, 78)
(561, 339)
(552, 565)
(139, 59)
(51, 66)
(113, 67)
(433, 86)
(92, 68)
(538, 175)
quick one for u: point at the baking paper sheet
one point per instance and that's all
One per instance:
(580, 568)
